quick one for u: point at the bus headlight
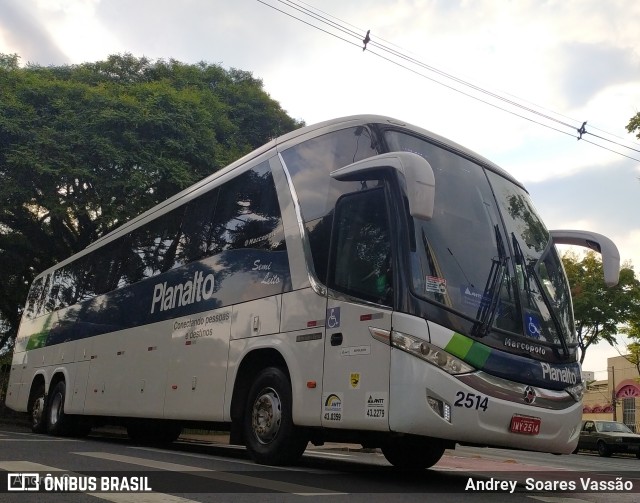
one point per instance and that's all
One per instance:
(429, 353)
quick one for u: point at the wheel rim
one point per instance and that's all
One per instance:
(36, 412)
(56, 409)
(266, 415)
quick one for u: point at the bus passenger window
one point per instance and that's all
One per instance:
(361, 251)
(248, 214)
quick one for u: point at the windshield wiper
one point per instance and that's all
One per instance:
(487, 310)
(530, 272)
(522, 262)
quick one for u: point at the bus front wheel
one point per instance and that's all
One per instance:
(270, 435)
(413, 453)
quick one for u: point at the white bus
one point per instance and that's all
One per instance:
(359, 280)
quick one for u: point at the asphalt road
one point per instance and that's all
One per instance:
(200, 469)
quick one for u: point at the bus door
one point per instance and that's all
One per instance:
(358, 317)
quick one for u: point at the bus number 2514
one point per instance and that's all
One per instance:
(471, 401)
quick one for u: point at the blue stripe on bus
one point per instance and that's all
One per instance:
(238, 276)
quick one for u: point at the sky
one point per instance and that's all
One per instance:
(560, 62)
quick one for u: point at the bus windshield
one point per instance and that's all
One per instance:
(487, 255)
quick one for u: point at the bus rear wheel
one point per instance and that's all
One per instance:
(58, 423)
(270, 435)
(413, 453)
(37, 409)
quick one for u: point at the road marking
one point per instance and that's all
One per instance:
(5, 432)
(141, 498)
(234, 478)
(211, 457)
(149, 463)
(33, 437)
(28, 466)
(326, 454)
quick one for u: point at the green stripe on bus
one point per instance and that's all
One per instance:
(466, 349)
(459, 346)
(478, 355)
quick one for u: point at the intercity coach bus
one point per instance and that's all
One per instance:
(359, 280)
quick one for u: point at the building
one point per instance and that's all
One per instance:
(617, 397)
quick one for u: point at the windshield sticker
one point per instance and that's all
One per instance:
(472, 297)
(533, 326)
(435, 284)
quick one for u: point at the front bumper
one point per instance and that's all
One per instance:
(473, 419)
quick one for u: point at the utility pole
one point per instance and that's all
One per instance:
(613, 392)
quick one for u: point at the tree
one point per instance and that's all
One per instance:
(600, 311)
(634, 125)
(632, 331)
(84, 148)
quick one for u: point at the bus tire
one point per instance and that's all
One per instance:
(37, 409)
(413, 453)
(270, 435)
(58, 423)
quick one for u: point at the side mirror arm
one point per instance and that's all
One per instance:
(596, 242)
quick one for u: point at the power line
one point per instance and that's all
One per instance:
(617, 143)
(307, 23)
(396, 53)
(345, 28)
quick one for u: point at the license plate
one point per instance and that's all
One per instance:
(525, 425)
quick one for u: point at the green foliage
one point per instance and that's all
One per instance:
(84, 148)
(632, 332)
(633, 354)
(634, 125)
(600, 311)
(9, 61)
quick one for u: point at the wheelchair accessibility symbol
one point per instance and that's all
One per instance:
(534, 327)
(333, 317)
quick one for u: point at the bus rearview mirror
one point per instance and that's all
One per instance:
(414, 170)
(596, 242)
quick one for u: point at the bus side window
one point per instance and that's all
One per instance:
(35, 298)
(247, 213)
(361, 248)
